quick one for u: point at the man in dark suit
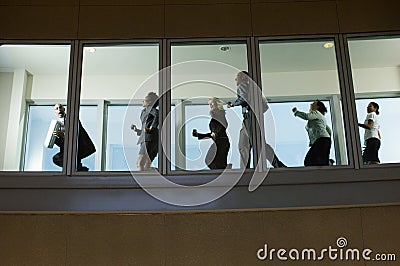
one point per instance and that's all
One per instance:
(85, 144)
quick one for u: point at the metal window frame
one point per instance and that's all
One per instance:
(343, 84)
(295, 183)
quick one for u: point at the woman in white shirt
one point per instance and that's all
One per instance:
(319, 134)
(372, 135)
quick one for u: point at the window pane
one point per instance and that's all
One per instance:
(112, 78)
(293, 150)
(30, 75)
(375, 69)
(199, 72)
(294, 74)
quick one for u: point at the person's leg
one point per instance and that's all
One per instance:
(372, 156)
(318, 154)
(146, 162)
(58, 159)
(326, 150)
(368, 152)
(272, 158)
(322, 150)
(244, 148)
(80, 167)
(310, 159)
(211, 157)
(140, 162)
(152, 150)
(221, 157)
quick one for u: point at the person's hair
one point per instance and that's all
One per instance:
(152, 98)
(217, 102)
(321, 107)
(376, 106)
(245, 75)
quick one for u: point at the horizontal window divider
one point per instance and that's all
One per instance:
(274, 177)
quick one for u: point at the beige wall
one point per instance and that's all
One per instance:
(6, 80)
(86, 19)
(190, 238)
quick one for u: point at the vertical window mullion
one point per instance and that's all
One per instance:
(73, 106)
(349, 109)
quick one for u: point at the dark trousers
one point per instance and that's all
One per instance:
(58, 159)
(318, 154)
(370, 153)
(217, 155)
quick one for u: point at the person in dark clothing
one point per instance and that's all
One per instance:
(217, 154)
(85, 144)
(148, 135)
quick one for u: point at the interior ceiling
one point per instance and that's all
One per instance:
(128, 59)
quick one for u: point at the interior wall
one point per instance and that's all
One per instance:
(376, 80)
(6, 81)
(277, 84)
(121, 19)
(202, 238)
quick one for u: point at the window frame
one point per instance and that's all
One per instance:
(72, 44)
(353, 94)
(102, 185)
(343, 88)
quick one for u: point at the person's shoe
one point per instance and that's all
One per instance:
(277, 163)
(83, 169)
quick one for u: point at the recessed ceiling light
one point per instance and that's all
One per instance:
(328, 45)
(225, 48)
(90, 49)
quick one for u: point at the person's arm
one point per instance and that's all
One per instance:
(217, 129)
(369, 124)
(154, 124)
(204, 136)
(306, 116)
(134, 128)
(328, 129)
(379, 134)
(242, 96)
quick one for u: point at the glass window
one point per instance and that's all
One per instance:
(30, 75)
(115, 80)
(375, 70)
(295, 74)
(204, 74)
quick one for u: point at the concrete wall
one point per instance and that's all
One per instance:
(196, 238)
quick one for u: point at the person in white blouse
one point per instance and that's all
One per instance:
(319, 134)
(372, 135)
